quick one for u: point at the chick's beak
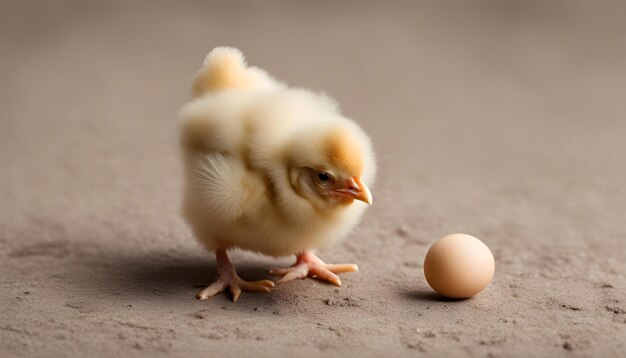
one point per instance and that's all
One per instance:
(354, 188)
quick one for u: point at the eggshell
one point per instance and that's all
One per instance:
(459, 266)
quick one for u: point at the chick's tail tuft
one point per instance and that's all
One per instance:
(225, 68)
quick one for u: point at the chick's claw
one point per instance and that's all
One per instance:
(309, 265)
(227, 278)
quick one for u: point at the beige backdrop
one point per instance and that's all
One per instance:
(505, 120)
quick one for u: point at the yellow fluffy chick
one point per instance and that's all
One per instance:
(270, 169)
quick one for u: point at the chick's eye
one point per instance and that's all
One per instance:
(323, 177)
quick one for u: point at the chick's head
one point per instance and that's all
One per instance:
(332, 165)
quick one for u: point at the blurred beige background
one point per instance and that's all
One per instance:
(501, 119)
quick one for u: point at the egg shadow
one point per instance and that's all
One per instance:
(427, 295)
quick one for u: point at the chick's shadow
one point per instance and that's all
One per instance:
(152, 277)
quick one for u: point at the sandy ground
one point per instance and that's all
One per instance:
(505, 121)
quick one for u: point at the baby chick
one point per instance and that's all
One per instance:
(270, 169)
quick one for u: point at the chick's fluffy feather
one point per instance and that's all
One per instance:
(242, 134)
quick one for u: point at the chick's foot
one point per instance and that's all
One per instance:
(309, 265)
(227, 278)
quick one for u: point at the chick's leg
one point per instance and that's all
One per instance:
(309, 265)
(227, 278)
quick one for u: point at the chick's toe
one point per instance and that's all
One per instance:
(227, 278)
(309, 265)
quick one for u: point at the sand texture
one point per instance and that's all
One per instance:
(504, 120)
